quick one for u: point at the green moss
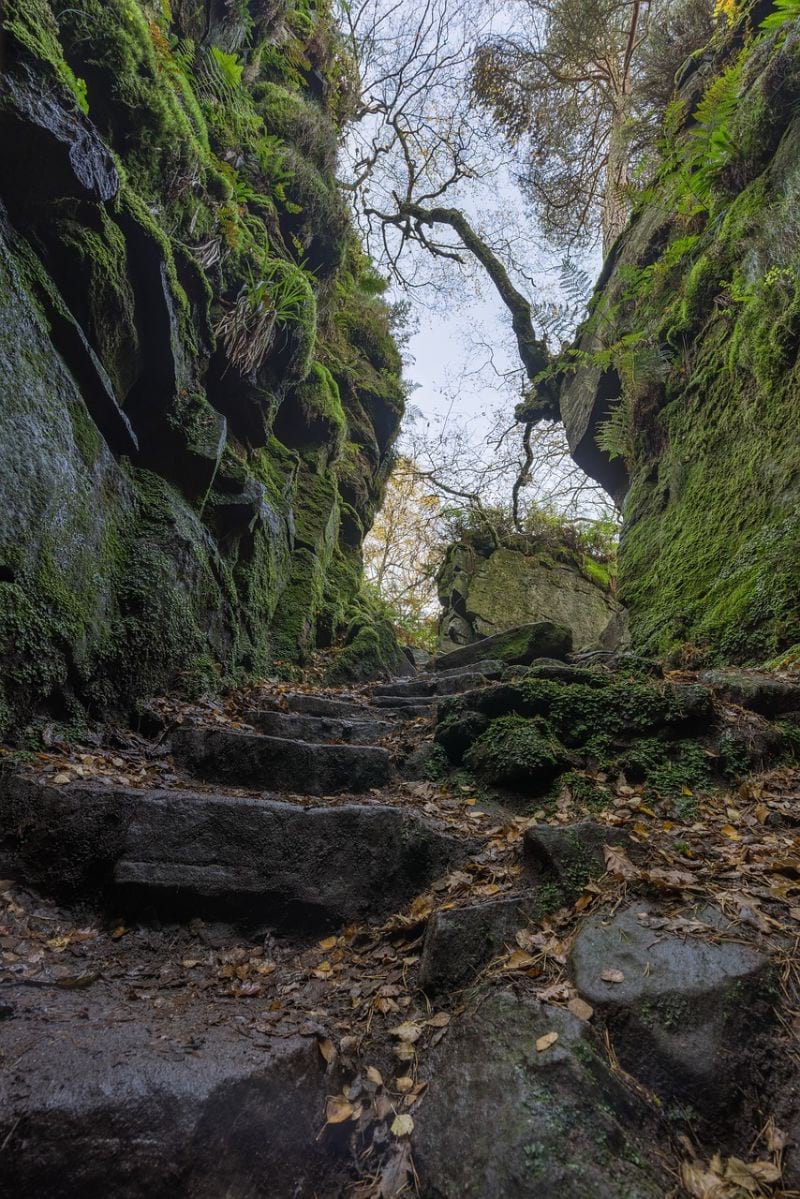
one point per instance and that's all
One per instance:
(514, 752)
(372, 652)
(32, 25)
(100, 261)
(320, 404)
(299, 122)
(590, 796)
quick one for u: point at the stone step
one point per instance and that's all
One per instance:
(318, 728)
(137, 1104)
(492, 668)
(307, 704)
(279, 763)
(405, 707)
(433, 685)
(271, 859)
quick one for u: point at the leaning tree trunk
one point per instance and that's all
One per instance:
(616, 207)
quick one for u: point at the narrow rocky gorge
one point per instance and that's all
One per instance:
(288, 944)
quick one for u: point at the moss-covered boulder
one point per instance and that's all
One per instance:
(517, 752)
(485, 590)
(517, 647)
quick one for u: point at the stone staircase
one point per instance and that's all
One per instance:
(229, 984)
(228, 837)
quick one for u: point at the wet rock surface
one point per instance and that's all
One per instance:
(103, 1097)
(506, 1120)
(685, 1003)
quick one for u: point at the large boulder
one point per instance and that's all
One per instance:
(507, 1119)
(514, 646)
(486, 593)
(685, 1001)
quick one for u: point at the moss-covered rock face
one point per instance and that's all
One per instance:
(485, 590)
(669, 739)
(685, 395)
(199, 390)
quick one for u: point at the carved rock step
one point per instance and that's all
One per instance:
(279, 763)
(316, 705)
(271, 858)
(433, 685)
(319, 728)
(121, 1108)
(406, 706)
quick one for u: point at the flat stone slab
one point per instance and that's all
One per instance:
(754, 689)
(265, 857)
(515, 647)
(490, 668)
(685, 1012)
(279, 763)
(407, 706)
(318, 729)
(505, 1120)
(452, 683)
(459, 942)
(98, 1098)
(316, 705)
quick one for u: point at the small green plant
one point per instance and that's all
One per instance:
(228, 69)
(279, 298)
(785, 11)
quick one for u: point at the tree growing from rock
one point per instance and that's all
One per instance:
(574, 87)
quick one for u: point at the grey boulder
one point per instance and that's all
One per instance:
(685, 1001)
(505, 1120)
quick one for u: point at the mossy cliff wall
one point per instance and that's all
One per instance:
(199, 390)
(687, 371)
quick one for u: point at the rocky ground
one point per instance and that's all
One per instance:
(311, 943)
